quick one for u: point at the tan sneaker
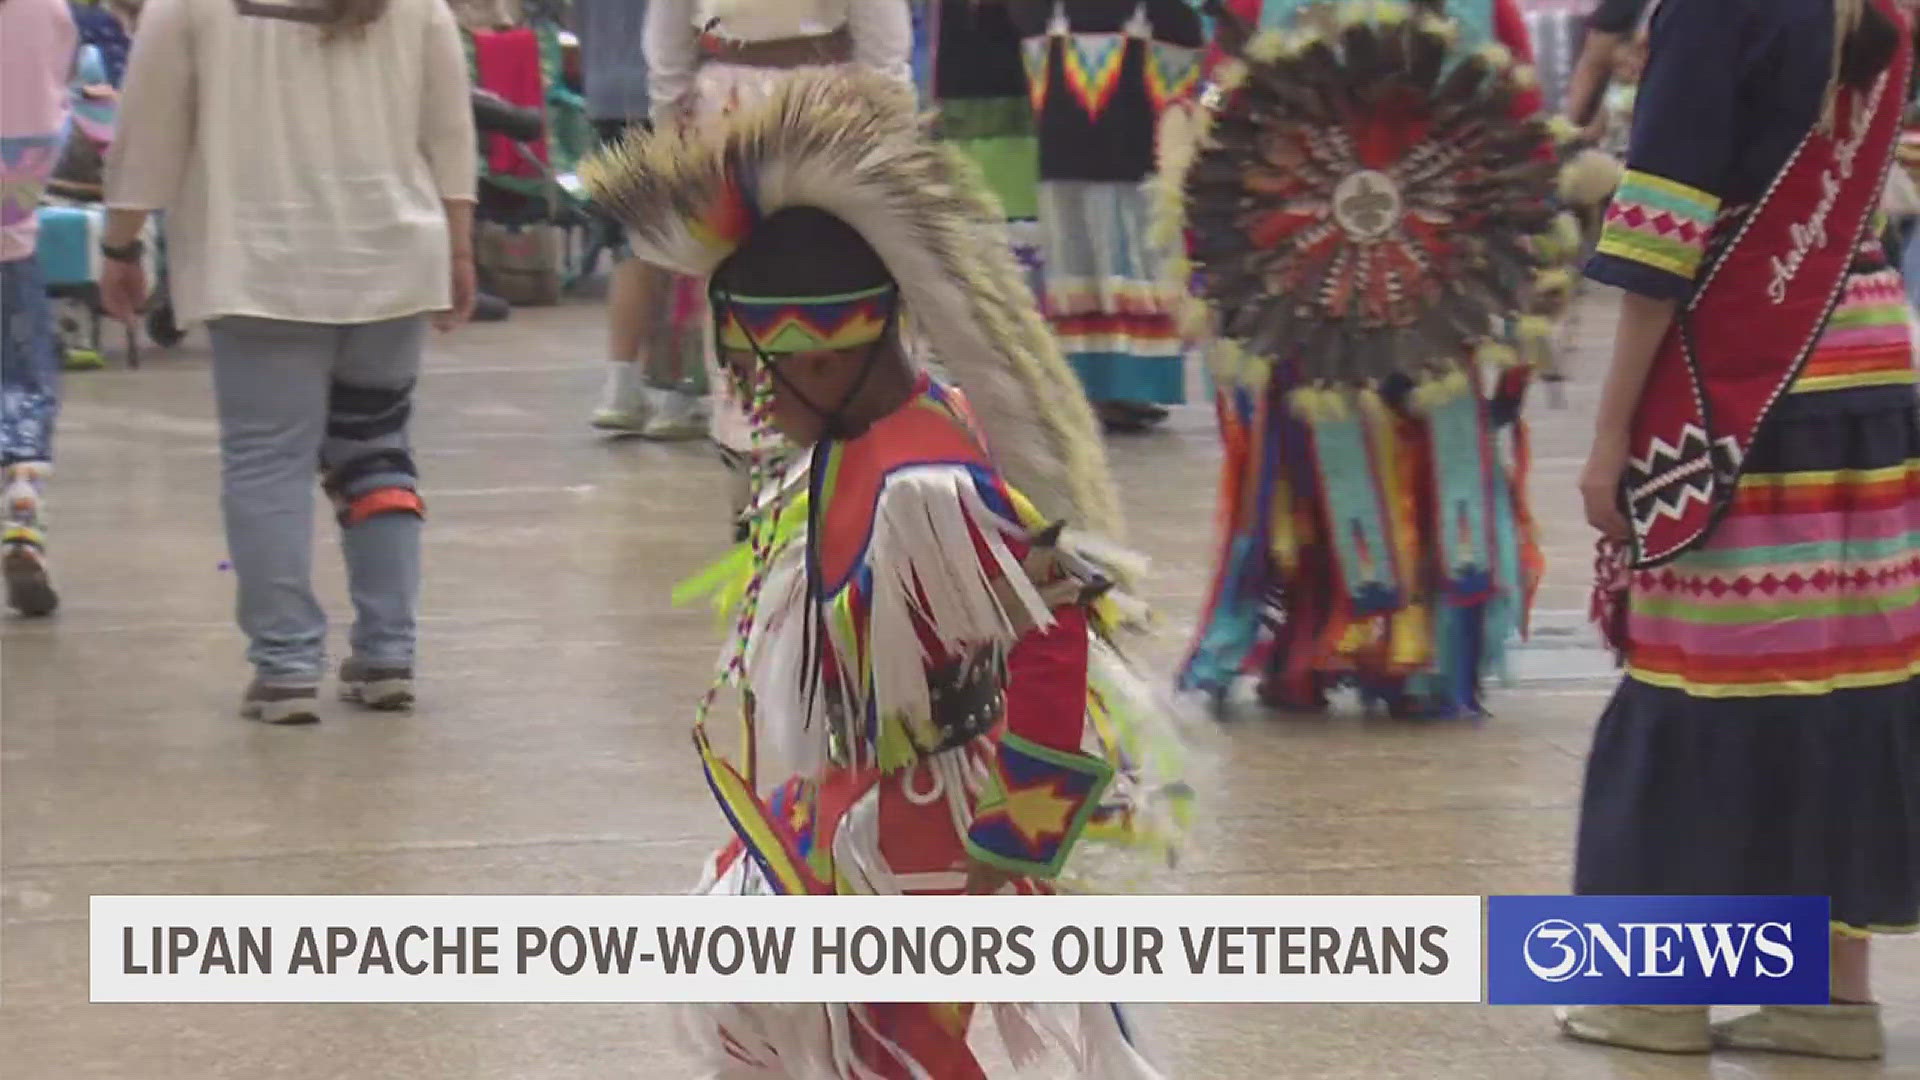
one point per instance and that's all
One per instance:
(380, 687)
(286, 705)
(1666, 1029)
(1846, 1032)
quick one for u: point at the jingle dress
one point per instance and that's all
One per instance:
(1764, 738)
(1100, 73)
(1397, 557)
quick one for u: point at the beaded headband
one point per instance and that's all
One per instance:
(796, 324)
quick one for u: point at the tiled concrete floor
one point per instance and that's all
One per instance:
(550, 752)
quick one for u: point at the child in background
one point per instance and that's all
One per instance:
(37, 46)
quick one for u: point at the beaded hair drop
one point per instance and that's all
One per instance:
(762, 533)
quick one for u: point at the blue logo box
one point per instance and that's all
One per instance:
(1657, 950)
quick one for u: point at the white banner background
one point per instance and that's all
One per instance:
(122, 936)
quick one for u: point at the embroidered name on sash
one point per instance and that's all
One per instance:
(1807, 235)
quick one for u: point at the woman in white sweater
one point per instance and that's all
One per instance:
(315, 160)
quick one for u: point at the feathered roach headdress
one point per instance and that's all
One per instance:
(1358, 197)
(851, 143)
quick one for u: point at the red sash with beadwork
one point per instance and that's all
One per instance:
(1761, 306)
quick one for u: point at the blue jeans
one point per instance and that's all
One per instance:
(296, 399)
(29, 364)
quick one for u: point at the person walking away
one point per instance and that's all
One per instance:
(314, 244)
(1755, 475)
(642, 396)
(37, 48)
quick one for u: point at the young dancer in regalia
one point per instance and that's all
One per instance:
(1366, 200)
(1756, 473)
(931, 706)
(707, 57)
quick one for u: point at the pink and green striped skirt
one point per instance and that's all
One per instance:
(1766, 738)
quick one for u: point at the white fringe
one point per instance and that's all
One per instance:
(790, 740)
(925, 565)
(1105, 1052)
(805, 1041)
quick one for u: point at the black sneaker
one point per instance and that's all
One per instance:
(382, 688)
(29, 588)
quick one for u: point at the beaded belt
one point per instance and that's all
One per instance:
(833, 48)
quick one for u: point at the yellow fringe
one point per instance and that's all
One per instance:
(1321, 405)
(1436, 391)
(1228, 361)
(1373, 408)
(1229, 76)
(1553, 281)
(1195, 319)
(1496, 354)
(1180, 142)
(1387, 13)
(1442, 28)
(1565, 238)
(1497, 56)
(1266, 47)
(1530, 328)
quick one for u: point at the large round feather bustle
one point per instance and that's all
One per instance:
(851, 143)
(1361, 201)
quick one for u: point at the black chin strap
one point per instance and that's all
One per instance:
(833, 421)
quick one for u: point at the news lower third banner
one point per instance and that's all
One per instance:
(1536, 950)
(785, 949)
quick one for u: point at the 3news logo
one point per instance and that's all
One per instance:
(1657, 950)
